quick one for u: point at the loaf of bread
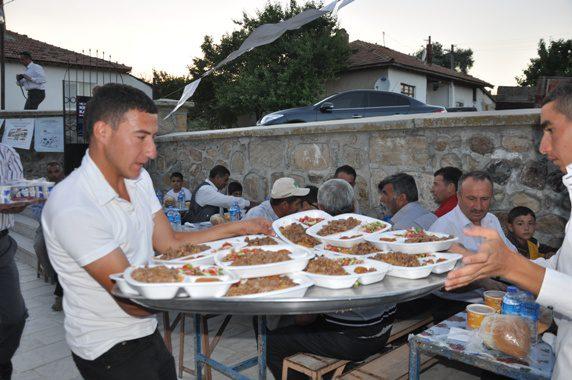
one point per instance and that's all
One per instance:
(509, 334)
(217, 219)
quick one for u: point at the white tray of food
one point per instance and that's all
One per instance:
(413, 240)
(197, 254)
(332, 272)
(416, 266)
(359, 250)
(346, 230)
(292, 228)
(293, 285)
(249, 262)
(169, 281)
(257, 240)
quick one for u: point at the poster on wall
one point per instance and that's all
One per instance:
(18, 133)
(49, 134)
(80, 103)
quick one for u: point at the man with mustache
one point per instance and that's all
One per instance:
(548, 279)
(475, 195)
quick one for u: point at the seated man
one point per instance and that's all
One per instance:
(444, 189)
(521, 226)
(207, 199)
(475, 196)
(310, 201)
(285, 199)
(348, 174)
(399, 194)
(353, 335)
(177, 183)
(234, 189)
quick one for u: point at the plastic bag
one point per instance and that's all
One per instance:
(509, 334)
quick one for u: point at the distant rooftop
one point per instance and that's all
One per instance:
(368, 55)
(47, 54)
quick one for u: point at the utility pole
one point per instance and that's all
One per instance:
(2, 65)
(452, 57)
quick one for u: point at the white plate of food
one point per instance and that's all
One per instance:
(197, 254)
(413, 240)
(170, 281)
(346, 230)
(123, 285)
(249, 262)
(257, 240)
(293, 285)
(292, 228)
(418, 265)
(358, 250)
(341, 273)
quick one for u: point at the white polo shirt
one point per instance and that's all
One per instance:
(453, 223)
(84, 220)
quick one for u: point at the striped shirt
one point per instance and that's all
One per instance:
(10, 169)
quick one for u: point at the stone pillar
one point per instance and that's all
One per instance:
(176, 122)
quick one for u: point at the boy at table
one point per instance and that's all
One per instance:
(105, 217)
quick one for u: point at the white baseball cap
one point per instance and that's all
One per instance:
(286, 187)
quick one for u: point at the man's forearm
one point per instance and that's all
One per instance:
(133, 309)
(220, 231)
(524, 273)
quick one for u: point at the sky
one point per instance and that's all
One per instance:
(167, 34)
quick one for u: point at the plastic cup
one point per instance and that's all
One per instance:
(493, 298)
(476, 313)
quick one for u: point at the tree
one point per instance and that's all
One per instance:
(553, 60)
(168, 86)
(289, 72)
(462, 58)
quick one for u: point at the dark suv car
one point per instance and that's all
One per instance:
(351, 105)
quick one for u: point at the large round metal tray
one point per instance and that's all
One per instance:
(316, 300)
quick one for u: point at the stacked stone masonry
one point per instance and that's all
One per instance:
(504, 143)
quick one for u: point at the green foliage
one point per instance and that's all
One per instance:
(289, 72)
(553, 60)
(462, 58)
(168, 86)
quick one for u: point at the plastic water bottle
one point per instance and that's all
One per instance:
(174, 218)
(234, 212)
(511, 301)
(159, 196)
(530, 312)
(181, 200)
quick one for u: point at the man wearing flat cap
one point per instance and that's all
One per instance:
(285, 199)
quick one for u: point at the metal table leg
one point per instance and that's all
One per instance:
(198, 347)
(262, 347)
(413, 359)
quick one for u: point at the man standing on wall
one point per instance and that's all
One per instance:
(33, 80)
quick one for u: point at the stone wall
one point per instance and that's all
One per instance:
(503, 143)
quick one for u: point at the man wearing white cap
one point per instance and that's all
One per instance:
(285, 199)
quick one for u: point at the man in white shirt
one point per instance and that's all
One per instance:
(105, 217)
(399, 194)
(550, 280)
(207, 199)
(285, 199)
(475, 195)
(12, 308)
(177, 183)
(33, 80)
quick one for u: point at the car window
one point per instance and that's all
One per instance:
(383, 99)
(351, 100)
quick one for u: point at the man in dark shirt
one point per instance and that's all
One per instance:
(444, 189)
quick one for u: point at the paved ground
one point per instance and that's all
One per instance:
(44, 354)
